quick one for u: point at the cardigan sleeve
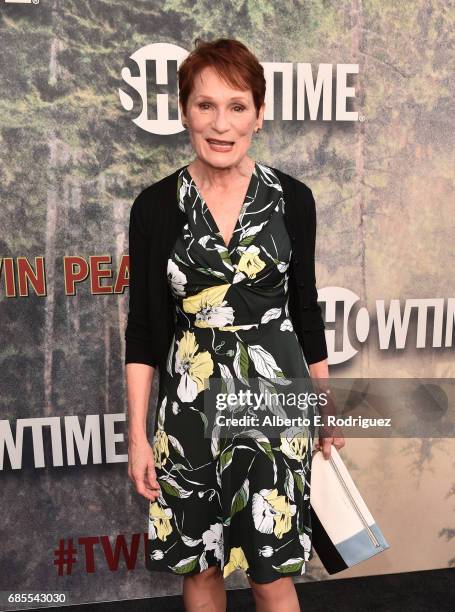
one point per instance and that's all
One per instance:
(139, 347)
(314, 342)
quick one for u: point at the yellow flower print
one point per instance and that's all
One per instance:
(284, 512)
(160, 448)
(294, 443)
(195, 368)
(234, 328)
(249, 264)
(237, 560)
(210, 307)
(272, 512)
(160, 521)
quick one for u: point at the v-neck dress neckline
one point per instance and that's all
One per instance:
(249, 195)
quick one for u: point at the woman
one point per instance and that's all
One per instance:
(243, 503)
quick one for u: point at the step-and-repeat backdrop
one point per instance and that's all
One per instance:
(357, 107)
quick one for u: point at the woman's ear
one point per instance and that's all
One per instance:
(183, 116)
(261, 116)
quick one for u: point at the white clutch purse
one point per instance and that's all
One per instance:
(344, 531)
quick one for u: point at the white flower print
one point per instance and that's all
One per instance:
(286, 325)
(272, 512)
(210, 307)
(176, 277)
(282, 266)
(213, 540)
(195, 368)
(156, 555)
(305, 541)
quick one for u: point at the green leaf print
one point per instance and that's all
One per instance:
(291, 565)
(211, 272)
(225, 257)
(180, 260)
(240, 498)
(298, 481)
(172, 488)
(247, 241)
(241, 363)
(261, 440)
(176, 444)
(226, 459)
(289, 484)
(185, 565)
(267, 448)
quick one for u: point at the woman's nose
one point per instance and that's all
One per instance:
(221, 122)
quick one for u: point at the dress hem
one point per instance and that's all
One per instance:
(257, 580)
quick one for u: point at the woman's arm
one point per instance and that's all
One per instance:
(139, 378)
(141, 345)
(313, 334)
(314, 339)
(140, 359)
(141, 461)
(319, 369)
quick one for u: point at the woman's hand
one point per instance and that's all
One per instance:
(141, 469)
(328, 435)
(325, 444)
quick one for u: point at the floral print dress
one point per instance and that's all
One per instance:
(243, 503)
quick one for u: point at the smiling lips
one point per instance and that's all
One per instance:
(219, 142)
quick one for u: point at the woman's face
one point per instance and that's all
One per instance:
(216, 112)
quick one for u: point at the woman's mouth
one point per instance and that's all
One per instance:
(220, 145)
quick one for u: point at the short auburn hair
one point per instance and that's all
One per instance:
(231, 59)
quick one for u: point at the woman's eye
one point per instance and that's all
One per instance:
(205, 105)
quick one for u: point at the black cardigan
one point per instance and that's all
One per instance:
(155, 224)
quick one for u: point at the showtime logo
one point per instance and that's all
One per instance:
(394, 323)
(158, 63)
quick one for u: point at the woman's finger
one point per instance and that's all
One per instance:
(326, 447)
(146, 492)
(339, 442)
(153, 482)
